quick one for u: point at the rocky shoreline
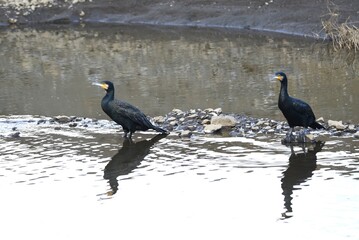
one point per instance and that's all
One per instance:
(187, 123)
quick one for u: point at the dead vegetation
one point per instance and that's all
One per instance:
(343, 35)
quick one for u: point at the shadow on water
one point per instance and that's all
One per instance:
(128, 158)
(300, 169)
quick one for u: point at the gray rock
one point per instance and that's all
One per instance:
(218, 111)
(352, 128)
(255, 128)
(212, 128)
(185, 133)
(321, 119)
(309, 137)
(177, 111)
(192, 116)
(62, 119)
(192, 111)
(356, 135)
(206, 121)
(14, 135)
(73, 124)
(173, 123)
(170, 119)
(226, 121)
(260, 122)
(267, 128)
(191, 127)
(159, 119)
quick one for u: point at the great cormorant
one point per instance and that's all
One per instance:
(128, 116)
(296, 111)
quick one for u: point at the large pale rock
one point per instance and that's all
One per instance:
(225, 121)
(337, 124)
(212, 128)
(309, 137)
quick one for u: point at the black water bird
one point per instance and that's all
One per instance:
(296, 111)
(300, 169)
(128, 158)
(128, 116)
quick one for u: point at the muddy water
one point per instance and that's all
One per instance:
(62, 182)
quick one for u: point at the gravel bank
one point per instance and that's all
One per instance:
(180, 123)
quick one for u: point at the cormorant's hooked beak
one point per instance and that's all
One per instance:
(278, 77)
(102, 85)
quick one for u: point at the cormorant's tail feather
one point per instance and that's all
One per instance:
(158, 129)
(316, 125)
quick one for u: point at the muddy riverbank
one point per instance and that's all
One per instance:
(291, 17)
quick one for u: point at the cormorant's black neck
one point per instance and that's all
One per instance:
(110, 95)
(106, 99)
(283, 90)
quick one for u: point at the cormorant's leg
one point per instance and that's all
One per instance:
(292, 150)
(289, 135)
(125, 131)
(130, 137)
(305, 131)
(290, 132)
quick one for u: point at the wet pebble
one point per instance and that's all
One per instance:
(14, 135)
(73, 124)
(41, 121)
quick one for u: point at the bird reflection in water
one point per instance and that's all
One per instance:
(300, 168)
(128, 158)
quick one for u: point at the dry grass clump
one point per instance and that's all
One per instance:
(344, 35)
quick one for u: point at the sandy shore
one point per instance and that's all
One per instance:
(298, 17)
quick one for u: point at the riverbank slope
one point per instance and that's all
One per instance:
(297, 17)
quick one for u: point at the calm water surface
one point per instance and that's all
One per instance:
(160, 69)
(87, 182)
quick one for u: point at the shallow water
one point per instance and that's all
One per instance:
(62, 182)
(87, 182)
